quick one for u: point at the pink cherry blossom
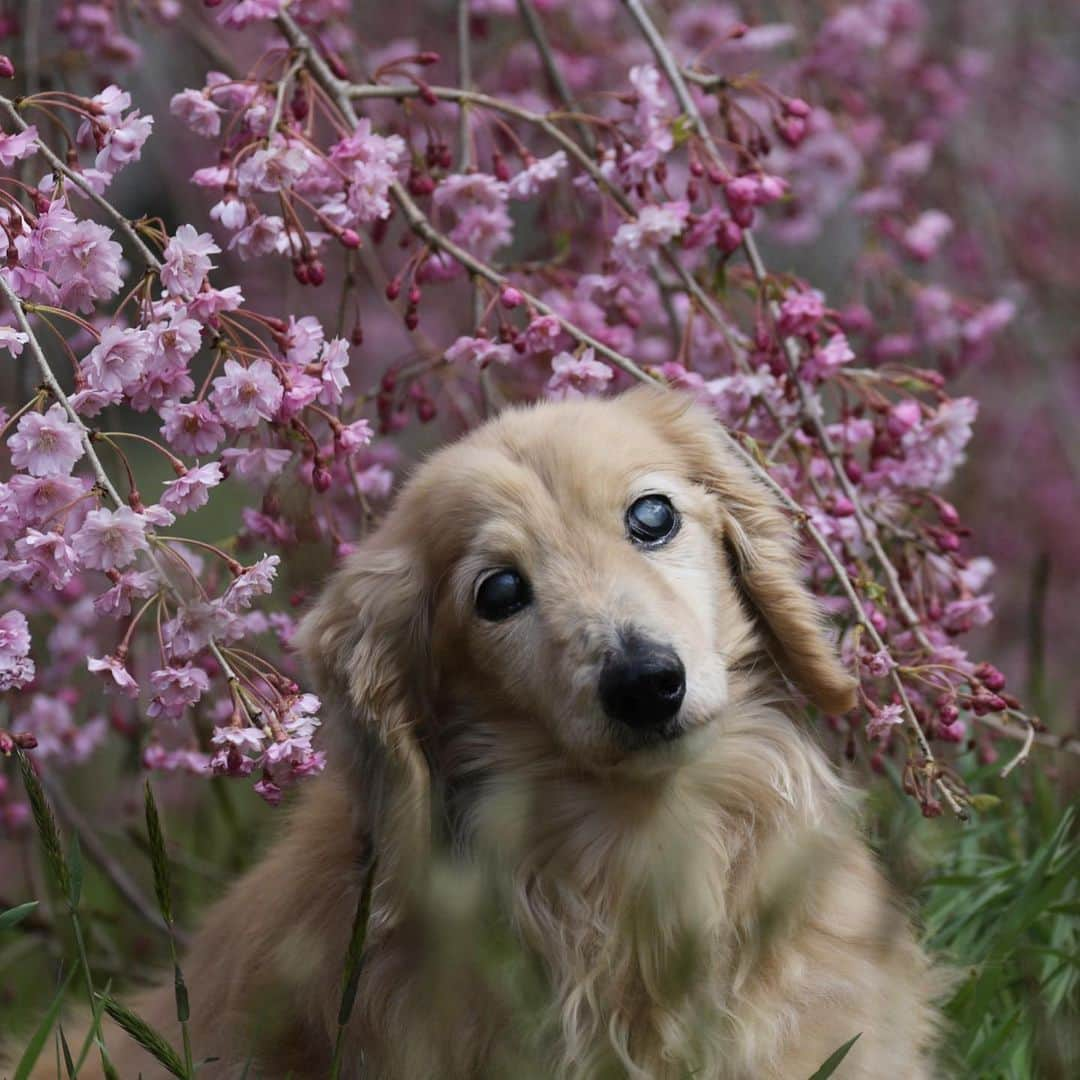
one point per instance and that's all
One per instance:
(187, 261)
(16, 667)
(198, 111)
(46, 443)
(244, 395)
(109, 539)
(575, 377)
(16, 147)
(116, 675)
(192, 490)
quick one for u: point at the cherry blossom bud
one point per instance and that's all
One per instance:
(427, 58)
(796, 107)
(426, 411)
(320, 478)
(990, 677)
(499, 168)
(791, 130)
(412, 319)
(420, 183)
(350, 238)
(7, 68)
(729, 236)
(841, 507)
(316, 273)
(427, 95)
(414, 295)
(357, 336)
(393, 289)
(336, 64)
(743, 215)
(946, 511)
(300, 272)
(511, 298)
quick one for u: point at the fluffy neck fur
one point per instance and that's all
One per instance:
(644, 895)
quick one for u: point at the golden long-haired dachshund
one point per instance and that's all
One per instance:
(559, 686)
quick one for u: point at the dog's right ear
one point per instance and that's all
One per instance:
(364, 644)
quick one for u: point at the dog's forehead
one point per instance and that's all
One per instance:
(539, 466)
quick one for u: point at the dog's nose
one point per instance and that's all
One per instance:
(643, 684)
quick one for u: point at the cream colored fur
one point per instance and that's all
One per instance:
(702, 908)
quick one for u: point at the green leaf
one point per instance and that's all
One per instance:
(158, 856)
(833, 1060)
(682, 127)
(45, 823)
(151, 1040)
(41, 1033)
(13, 916)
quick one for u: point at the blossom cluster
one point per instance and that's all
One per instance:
(528, 237)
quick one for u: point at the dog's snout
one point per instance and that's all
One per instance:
(642, 684)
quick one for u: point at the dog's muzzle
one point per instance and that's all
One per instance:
(642, 685)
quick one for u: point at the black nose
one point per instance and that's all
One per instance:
(642, 684)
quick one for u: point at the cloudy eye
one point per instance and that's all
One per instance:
(501, 594)
(652, 520)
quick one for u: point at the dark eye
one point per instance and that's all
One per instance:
(501, 594)
(652, 520)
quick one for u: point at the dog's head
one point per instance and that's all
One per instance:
(586, 580)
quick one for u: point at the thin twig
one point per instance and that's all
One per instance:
(534, 24)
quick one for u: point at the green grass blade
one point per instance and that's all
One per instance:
(46, 826)
(832, 1062)
(13, 916)
(158, 857)
(41, 1032)
(151, 1040)
(354, 960)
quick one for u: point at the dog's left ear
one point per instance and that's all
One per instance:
(364, 643)
(761, 542)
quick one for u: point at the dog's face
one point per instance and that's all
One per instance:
(580, 586)
(580, 579)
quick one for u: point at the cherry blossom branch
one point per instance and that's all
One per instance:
(465, 154)
(8, 108)
(674, 75)
(98, 469)
(341, 93)
(572, 149)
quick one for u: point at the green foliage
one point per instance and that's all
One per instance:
(41, 1032)
(998, 900)
(1002, 909)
